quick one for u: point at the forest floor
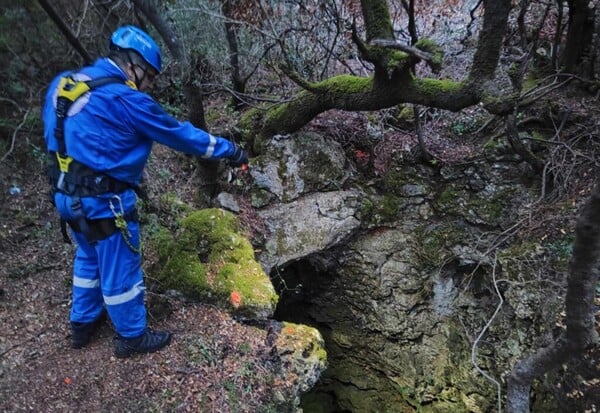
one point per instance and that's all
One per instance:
(214, 363)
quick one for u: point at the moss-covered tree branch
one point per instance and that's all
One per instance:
(393, 81)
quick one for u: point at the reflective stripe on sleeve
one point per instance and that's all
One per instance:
(126, 296)
(85, 283)
(211, 147)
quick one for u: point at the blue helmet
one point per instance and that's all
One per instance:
(133, 38)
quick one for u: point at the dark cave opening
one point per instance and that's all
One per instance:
(298, 284)
(301, 285)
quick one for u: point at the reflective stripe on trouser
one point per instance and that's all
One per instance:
(110, 274)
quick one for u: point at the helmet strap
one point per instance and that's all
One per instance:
(138, 81)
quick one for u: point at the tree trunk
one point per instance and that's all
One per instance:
(148, 7)
(579, 37)
(580, 333)
(66, 31)
(238, 84)
(377, 19)
(490, 39)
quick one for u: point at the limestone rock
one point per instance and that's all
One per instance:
(313, 223)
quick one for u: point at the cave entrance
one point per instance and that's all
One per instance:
(303, 285)
(300, 284)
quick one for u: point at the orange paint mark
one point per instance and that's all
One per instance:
(235, 298)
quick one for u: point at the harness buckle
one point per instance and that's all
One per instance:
(63, 166)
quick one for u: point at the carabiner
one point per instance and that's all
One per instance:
(112, 206)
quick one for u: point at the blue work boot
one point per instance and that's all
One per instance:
(148, 342)
(82, 333)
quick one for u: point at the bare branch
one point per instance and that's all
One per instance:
(151, 12)
(66, 30)
(14, 136)
(481, 334)
(413, 51)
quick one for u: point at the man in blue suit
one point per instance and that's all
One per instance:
(99, 128)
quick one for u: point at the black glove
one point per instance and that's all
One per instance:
(239, 157)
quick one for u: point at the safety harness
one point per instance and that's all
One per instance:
(77, 180)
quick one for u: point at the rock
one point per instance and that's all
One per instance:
(227, 201)
(209, 258)
(300, 164)
(313, 223)
(300, 350)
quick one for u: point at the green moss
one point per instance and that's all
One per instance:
(521, 260)
(493, 145)
(516, 259)
(448, 196)
(345, 84)
(437, 52)
(529, 82)
(209, 257)
(406, 115)
(390, 207)
(473, 206)
(275, 112)
(435, 87)
(250, 122)
(396, 60)
(499, 104)
(434, 243)
(173, 204)
(304, 338)
(162, 239)
(394, 182)
(209, 226)
(182, 271)
(560, 250)
(381, 210)
(248, 280)
(366, 210)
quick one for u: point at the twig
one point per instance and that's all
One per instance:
(476, 342)
(14, 136)
(485, 125)
(14, 346)
(3, 99)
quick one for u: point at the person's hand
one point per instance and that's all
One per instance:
(239, 157)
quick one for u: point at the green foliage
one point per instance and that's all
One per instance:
(29, 44)
(174, 110)
(464, 126)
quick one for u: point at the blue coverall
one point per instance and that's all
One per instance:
(111, 130)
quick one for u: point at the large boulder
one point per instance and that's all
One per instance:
(307, 225)
(208, 257)
(297, 165)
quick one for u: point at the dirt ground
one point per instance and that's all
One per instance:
(214, 364)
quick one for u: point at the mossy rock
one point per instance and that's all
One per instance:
(302, 350)
(208, 258)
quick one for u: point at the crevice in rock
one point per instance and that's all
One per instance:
(301, 284)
